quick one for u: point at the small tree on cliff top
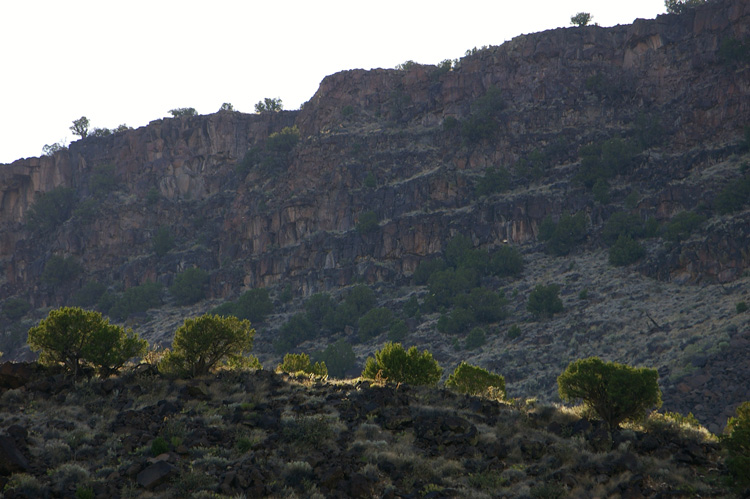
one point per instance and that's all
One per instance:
(80, 127)
(581, 19)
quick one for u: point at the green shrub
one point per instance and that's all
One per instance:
(51, 209)
(455, 322)
(60, 270)
(622, 224)
(411, 306)
(397, 331)
(445, 285)
(295, 331)
(243, 363)
(103, 180)
(732, 50)
(605, 160)
(159, 446)
(506, 261)
(162, 241)
(367, 223)
(513, 332)
(202, 343)
(357, 302)
(482, 122)
(87, 211)
(544, 301)
(741, 307)
(494, 180)
(600, 191)
(563, 236)
(15, 308)
(89, 295)
(269, 104)
(397, 365)
(284, 141)
(152, 196)
(734, 196)
(374, 322)
(190, 286)
(475, 381)
(254, 305)
(338, 357)
(320, 309)
(426, 268)
(615, 392)
(135, 300)
(75, 337)
(183, 111)
(475, 339)
(736, 440)
(486, 305)
(295, 363)
(370, 181)
(625, 251)
(682, 225)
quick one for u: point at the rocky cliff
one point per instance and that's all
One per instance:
(396, 143)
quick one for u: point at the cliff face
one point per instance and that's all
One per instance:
(391, 142)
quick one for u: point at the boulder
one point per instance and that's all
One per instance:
(11, 459)
(156, 474)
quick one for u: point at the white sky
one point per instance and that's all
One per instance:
(132, 61)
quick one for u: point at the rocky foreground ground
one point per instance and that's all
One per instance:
(262, 434)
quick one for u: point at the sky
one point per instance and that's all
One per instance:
(132, 62)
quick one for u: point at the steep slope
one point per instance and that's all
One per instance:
(410, 147)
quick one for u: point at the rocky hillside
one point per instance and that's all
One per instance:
(382, 168)
(260, 434)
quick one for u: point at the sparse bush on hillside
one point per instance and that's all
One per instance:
(15, 308)
(741, 307)
(733, 50)
(485, 304)
(51, 209)
(190, 286)
(445, 285)
(625, 251)
(357, 302)
(338, 357)
(563, 236)
(734, 196)
(682, 225)
(162, 241)
(616, 392)
(320, 309)
(295, 363)
(622, 224)
(397, 331)
(60, 270)
(513, 332)
(506, 261)
(456, 321)
(736, 440)
(475, 339)
(544, 301)
(605, 160)
(296, 330)
(284, 141)
(103, 180)
(476, 381)
(135, 300)
(373, 323)
(396, 365)
(76, 338)
(426, 268)
(494, 180)
(367, 222)
(482, 122)
(254, 305)
(200, 344)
